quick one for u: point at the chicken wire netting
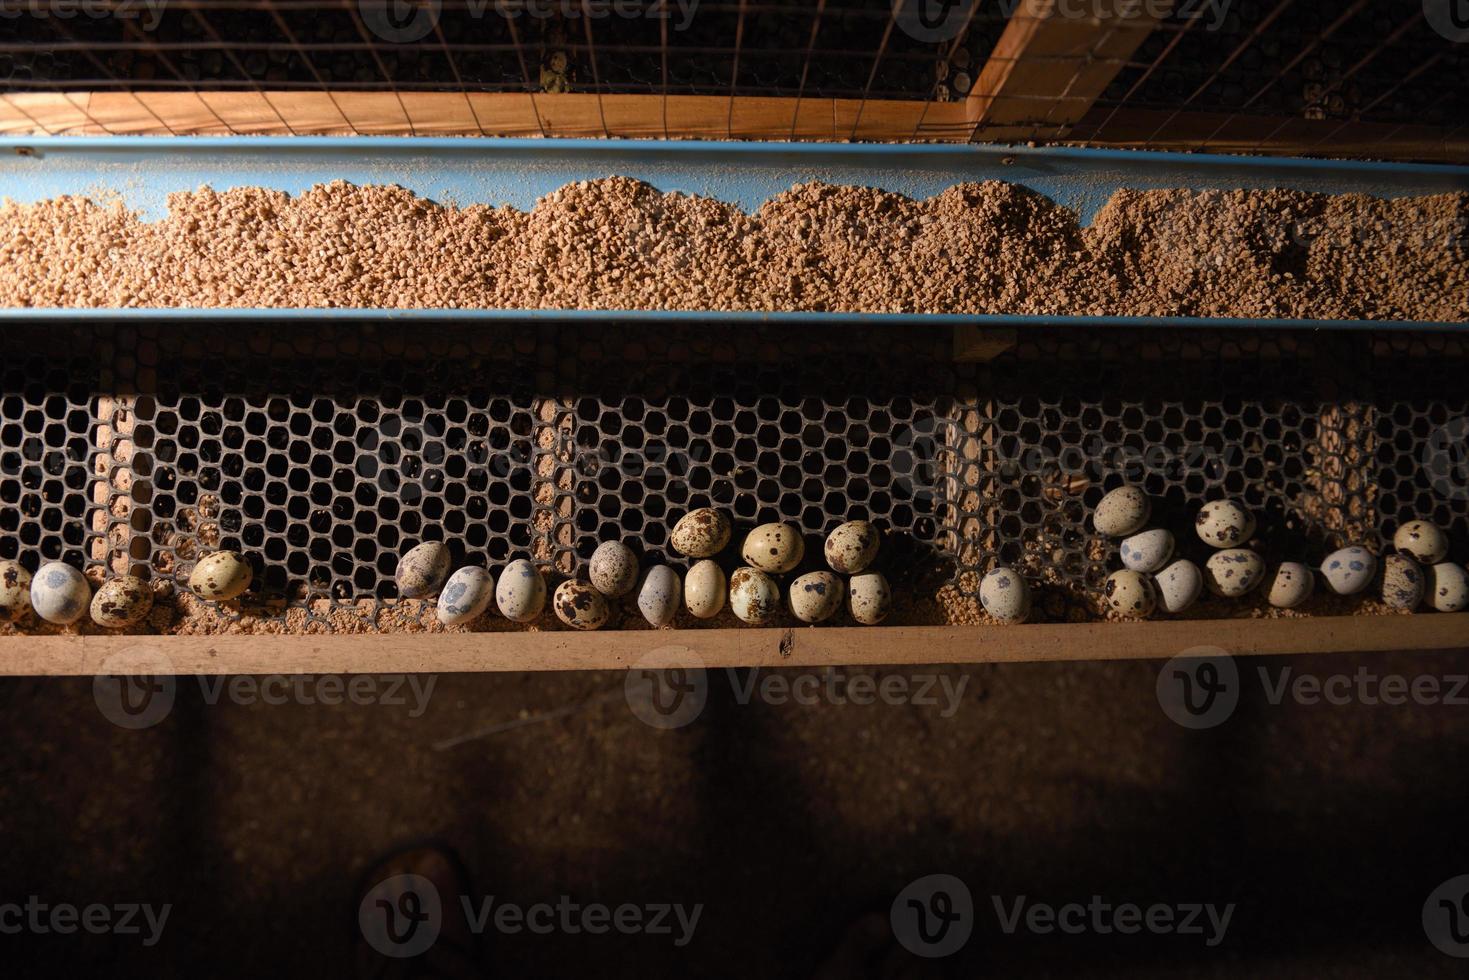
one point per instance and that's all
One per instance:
(324, 452)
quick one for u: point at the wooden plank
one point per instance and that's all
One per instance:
(974, 344)
(806, 647)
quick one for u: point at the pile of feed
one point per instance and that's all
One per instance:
(617, 243)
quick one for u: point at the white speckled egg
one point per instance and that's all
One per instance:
(60, 593)
(753, 596)
(1448, 587)
(221, 575)
(1224, 524)
(1349, 570)
(1131, 594)
(1402, 582)
(1148, 551)
(1233, 572)
(613, 569)
(422, 571)
(659, 593)
(579, 606)
(852, 546)
(1421, 541)
(774, 548)
(869, 599)
(15, 591)
(700, 533)
(704, 589)
(816, 596)
(1179, 585)
(1005, 595)
(1122, 512)
(465, 596)
(1291, 585)
(520, 593)
(122, 602)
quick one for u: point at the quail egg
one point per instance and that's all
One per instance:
(221, 575)
(1147, 551)
(869, 599)
(1402, 582)
(1005, 596)
(1422, 542)
(520, 593)
(122, 602)
(1131, 594)
(1292, 585)
(1122, 512)
(60, 593)
(816, 596)
(774, 548)
(1349, 570)
(753, 596)
(700, 533)
(1233, 572)
(852, 546)
(1224, 524)
(1179, 585)
(1448, 587)
(15, 591)
(659, 593)
(613, 569)
(579, 606)
(421, 572)
(704, 589)
(465, 596)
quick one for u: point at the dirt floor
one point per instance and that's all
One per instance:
(1329, 826)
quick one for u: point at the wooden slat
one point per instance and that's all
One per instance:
(806, 647)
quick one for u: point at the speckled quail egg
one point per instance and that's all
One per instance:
(704, 589)
(60, 593)
(1147, 551)
(816, 596)
(774, 548)
(1421, 541)
(1233, 572)
(1291, 585)
(1005, 595)
(1122, 512)
(221, 575)
(422, 571)
(465, 596)
(579, 606)
(700, 533)
(1402, 582)
(121, 602)
(1131, 593)
(1179, 585)
(1349, 570)
(659, 592)
(1447, 588)
(852, 546)
(869, 599)
(1224, 524)
(15, 591)
(613, 569)
(520, 593)
(753, 596)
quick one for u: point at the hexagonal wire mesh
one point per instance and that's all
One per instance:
(323, 453)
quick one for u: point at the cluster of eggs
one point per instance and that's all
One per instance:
(61, 595)
(752, 592)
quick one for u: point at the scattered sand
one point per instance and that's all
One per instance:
(618, 243)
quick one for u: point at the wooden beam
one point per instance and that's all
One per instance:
(805, 647)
